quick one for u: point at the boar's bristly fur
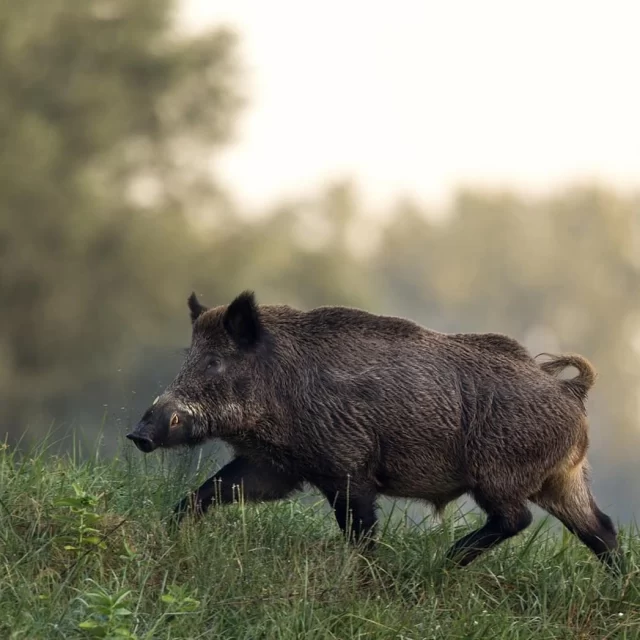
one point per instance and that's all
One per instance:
(360, 405)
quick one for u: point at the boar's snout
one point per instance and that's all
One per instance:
(165, 424)
(144, 443)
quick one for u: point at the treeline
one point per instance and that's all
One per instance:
(110, 215)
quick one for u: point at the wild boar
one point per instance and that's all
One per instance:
(360, 405)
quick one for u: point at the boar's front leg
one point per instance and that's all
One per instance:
(257, 482)
(355, 511)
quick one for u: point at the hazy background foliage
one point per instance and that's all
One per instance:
(111, 213)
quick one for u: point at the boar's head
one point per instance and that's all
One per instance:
(214, 394)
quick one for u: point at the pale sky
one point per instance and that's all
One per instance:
(417, 97)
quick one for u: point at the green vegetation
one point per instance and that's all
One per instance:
(84, 553)
(111, 213)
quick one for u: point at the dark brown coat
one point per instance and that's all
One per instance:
(358, 405)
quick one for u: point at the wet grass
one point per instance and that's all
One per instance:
(85, 552)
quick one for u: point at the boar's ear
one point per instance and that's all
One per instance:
(195, 307)
(242, 320)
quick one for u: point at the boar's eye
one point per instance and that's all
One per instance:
(212, 364)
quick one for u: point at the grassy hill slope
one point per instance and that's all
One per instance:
(84, 553)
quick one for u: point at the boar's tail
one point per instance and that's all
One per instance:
(578, 386)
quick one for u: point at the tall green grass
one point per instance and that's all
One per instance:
(84, 552)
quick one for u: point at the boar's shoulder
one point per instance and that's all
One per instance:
(336, 321)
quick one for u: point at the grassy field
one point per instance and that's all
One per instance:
(84, 552)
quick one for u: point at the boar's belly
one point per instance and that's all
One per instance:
(431, 474)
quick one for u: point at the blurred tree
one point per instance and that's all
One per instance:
(298, 253)
(109, 216)
(108, 121)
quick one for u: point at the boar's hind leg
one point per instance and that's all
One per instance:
(355, 513)
(258, 482)
(567, 496)
(503, 522)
